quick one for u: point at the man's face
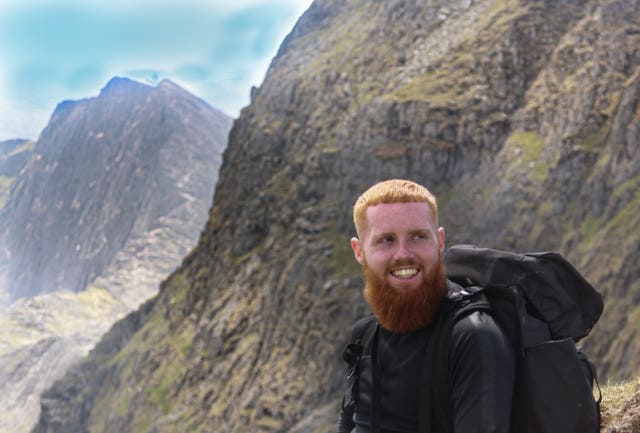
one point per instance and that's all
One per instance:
(401, 243)
(400, 254)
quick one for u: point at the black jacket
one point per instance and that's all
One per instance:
(480, 376)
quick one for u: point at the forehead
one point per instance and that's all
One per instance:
(393, 217)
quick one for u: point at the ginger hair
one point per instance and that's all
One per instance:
(391, 191)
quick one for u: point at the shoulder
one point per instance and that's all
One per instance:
(477, 335)
(360, 327)
(476, 323)
(470, 311)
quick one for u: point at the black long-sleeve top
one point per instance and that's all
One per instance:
(481, 374)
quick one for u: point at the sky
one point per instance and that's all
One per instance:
(55, 50)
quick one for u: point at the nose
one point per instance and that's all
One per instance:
(403, 251)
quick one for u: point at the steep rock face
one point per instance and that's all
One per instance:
(115, 195)
(522, 116)
(566, 177)
(13, 155)
(105, 171)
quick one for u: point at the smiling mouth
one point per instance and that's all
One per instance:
(405, 272)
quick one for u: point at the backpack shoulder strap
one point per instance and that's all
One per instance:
(468, 300)
(362, 332)
(435, 392)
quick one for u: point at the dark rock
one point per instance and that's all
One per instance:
(518, 115)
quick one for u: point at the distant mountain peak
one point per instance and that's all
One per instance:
(91, 139)
(117, 85)
(63, 106)
(167, 83)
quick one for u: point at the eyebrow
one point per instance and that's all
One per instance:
(394, 234)
(383, 234)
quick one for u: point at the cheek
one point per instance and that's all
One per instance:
(376, 261)
(436, 256)
(429, 255)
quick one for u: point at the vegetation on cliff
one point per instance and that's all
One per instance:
(101, 209)
(621, 407)
(522, 116)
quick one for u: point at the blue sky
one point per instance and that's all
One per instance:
(52, 50)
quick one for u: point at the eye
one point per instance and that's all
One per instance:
(386, 239)
(420, 236)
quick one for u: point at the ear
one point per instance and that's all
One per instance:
(356, 245)
(441, 239)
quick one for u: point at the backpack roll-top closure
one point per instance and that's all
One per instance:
(556, 293)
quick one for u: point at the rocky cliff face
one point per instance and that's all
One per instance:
(13, 155)
(106, 172)
(113, 197)
(522, 116)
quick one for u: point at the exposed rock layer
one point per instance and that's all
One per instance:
(106, 172)
(522, 116)
(115, 194)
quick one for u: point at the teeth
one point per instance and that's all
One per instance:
(405, 273)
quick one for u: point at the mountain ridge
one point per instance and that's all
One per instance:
(120, 184)
(515, 121)
(84, 257)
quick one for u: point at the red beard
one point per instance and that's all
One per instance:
(405, 311)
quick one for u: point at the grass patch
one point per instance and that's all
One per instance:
(619, 232)
(177, 288)
(629, 185)
(500, 14)
(618, 399)
(239, 260)
(613, 100)
(593, 142)
(435, 86)
(280, 184)
(627, 222)
(160, 396)
(531, 146)
(531, 142)
(269, 423)
(5, 186)
(633, 317)
(590, 228)
(341, 259)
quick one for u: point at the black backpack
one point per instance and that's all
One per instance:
(544, 306)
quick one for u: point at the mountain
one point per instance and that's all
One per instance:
(522, 117)
(113, 196)
(107, 172)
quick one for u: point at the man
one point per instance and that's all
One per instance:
(399, 246)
